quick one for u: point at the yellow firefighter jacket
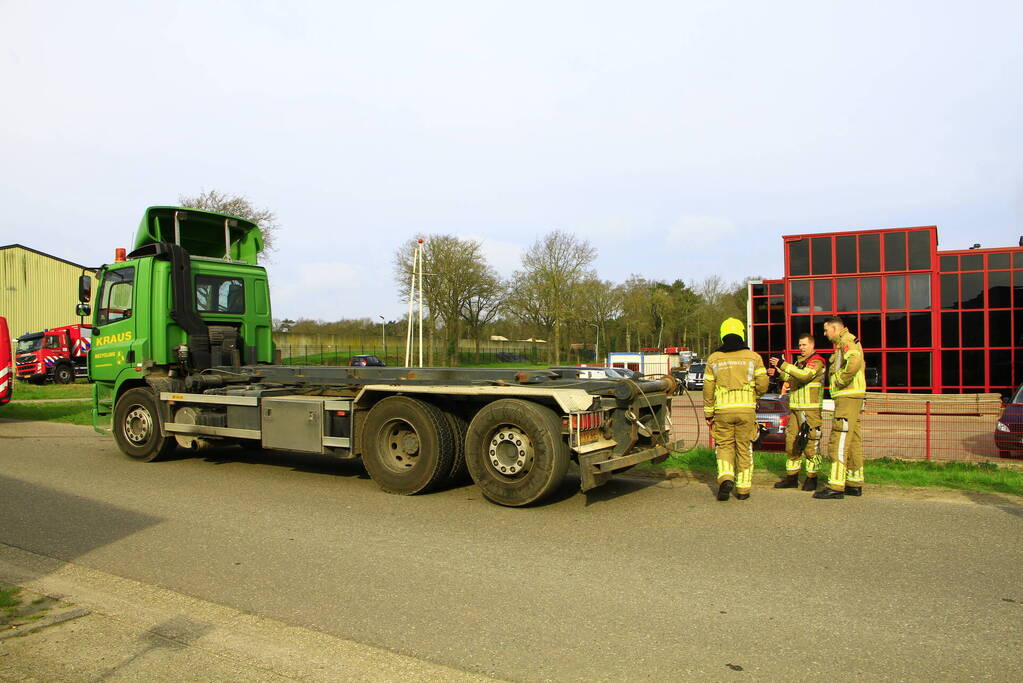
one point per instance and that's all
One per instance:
(732, 381)
(804, 378)
(847, 375)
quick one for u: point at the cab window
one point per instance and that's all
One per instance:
(52, 342)
(215, 294)
(116, 296)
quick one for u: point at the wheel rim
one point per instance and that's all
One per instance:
(510, 452)
(399, 445)
(138, 425)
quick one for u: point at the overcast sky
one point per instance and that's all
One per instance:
(681, 138)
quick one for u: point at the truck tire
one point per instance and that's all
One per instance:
(459, 426)
(406, 445)
(63, 374)
(515, 452)
(137, 426)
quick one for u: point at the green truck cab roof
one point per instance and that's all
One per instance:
(201, 233)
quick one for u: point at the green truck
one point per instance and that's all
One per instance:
(183, 357)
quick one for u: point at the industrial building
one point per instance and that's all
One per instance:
(930, 321)
(37, 290)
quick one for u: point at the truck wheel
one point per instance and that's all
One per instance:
(63, 374)
(406, 445)
(515, 451)
(458, 426)
(137, 426)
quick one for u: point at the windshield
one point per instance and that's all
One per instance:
(26, 345)
(697, 368)
(1018, 398)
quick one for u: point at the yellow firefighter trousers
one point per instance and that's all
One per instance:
(733, 435)
(811, 453)
(845, 449)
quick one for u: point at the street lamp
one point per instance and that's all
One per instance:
(383, 333)
(596, 346)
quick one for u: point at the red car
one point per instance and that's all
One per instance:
(773, 418)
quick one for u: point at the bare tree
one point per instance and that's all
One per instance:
(483, 306)
(556, 263)
(236, 205)
(600, 301)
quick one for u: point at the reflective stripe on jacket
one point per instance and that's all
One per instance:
(847, 375)
(732, 381)
(804, 378)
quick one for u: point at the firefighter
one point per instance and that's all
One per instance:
(805, 395)
(848, 388)
(733, 378)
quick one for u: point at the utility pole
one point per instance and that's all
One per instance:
(596, 346)
(383, 333)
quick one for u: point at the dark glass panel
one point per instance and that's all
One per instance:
(820, 247)
(950, 330)
(777, 338)
(998, 261)
(760, 310)
(799, 295)
(870, 294)
(973, 290)
(971, 262)
(895, 330)
(999, 289)
(1017, 289)
(776, 288)
(973, 329)
(973, 368)
(799, 257)
(870, 253)
(920, 329)
(919, 249)
(845, 292)
(870, 330)
(1017, 367)
(819, 339)
(898, 369)
(800, 325)
(845, 254)
(999, 330)
(949, 264)
(761, 338)
(1000, 372)
(872, 363)
(895, 291)
(950, 367)
(1017, 259)
(776, 305)
(950, 291)
(920, 369)
(920, 290)
(758, 289)
(822, 295)
(895, 251)
(1017, 328)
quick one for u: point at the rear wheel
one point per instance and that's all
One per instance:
(515, 452)
(406, 445)
(458, 426)
(63, 374)
(137, 426)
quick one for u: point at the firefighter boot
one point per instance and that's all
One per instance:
(828, 493)
(791, 481)
(853, 490)
(741, 496)
(725, 489)
(810, 484)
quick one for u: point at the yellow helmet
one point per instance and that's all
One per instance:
(733, 326)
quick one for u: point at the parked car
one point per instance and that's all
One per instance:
(773, 418)
(694, 376)
(1009, 428)
(628, 374)
(364, 360)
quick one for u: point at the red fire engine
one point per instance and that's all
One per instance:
(6, 376)
(59, 354)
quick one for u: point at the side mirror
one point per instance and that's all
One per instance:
(84, 289)
(83, 310)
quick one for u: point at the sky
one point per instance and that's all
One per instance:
(682, 139)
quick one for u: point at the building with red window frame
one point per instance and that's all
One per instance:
(929, 321)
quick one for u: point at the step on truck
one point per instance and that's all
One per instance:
(182, 357)
(57, 354)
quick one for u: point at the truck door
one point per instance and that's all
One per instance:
(115, 327)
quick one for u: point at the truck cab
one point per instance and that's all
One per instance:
(58, 354)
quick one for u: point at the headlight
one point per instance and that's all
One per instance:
(1001, 427)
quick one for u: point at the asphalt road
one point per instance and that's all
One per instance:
(636, 581)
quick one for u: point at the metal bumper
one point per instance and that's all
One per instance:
(596, 468)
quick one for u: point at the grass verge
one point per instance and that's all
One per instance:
(78, 413)
(967, 476)
(9, 600)
(23, 391)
